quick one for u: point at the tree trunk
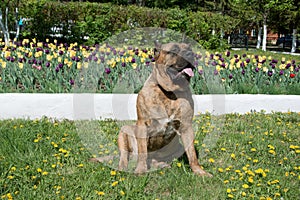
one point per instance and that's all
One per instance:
(264, 46)
(259, 37)
(294, 41)
(4, 27)
(17, 25)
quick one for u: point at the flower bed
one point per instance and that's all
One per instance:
(31, 66)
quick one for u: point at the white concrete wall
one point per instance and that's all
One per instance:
(122, 106)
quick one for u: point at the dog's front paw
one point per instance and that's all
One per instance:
(141, 169)
(200, 172)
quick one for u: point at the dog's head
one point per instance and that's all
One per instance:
(174, 65)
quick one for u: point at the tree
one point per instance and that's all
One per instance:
(4, 19)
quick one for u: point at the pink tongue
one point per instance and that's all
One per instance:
(189, 72)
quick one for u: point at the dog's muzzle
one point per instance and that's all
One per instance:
(182, 75)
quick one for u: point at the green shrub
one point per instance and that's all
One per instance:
(95, 22)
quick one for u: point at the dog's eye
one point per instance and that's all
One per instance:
(171, 53)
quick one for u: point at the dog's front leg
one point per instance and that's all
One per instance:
(141, 138)
(187, 137)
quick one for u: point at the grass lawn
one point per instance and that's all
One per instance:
(256, 156)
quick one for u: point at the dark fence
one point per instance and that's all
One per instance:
(239, 40)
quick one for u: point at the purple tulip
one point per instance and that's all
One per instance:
(288, 65)
(257, 69)
(243, 72)
(223, 65)
(48, 64)
(282, 62)
(95, 59)
(270, 73)
(248, 60)
(235, 55)
(216, 72)
(273, 66)
(198, 56)
(133, 60)
(121, 53)
(200, 71)
(228, 53)
(244, 55)
(293, 61)
(222, 59)
(57, 69)
(281, 72)
(214, 63)
(107, 70)
(147, 62)
(47, 51)
(297, 69)
(196, 63)
(123, 64)
(242, 64)
(274, 61)
(236, 60)
(60, 65)
(230, 76)
(72, 82)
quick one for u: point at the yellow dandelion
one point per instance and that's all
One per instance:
(220, 170)
(211, 160)
(245, 186)
(122, 192)
(39, 170)
(114, 183)
(113, 173)
(100, 193)
(250, 179)
(45, 173)
(272, 152)
(179, 164)
(80, 165)
(232, 156)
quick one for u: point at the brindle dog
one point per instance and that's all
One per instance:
(165, 109)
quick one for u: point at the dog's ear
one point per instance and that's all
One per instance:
(156, 49)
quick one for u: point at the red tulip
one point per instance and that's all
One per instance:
(292, 75)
